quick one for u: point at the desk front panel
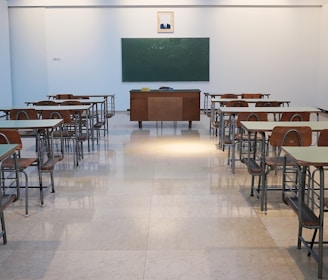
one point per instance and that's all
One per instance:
(165, 106)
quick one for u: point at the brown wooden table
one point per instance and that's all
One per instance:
(165, 105)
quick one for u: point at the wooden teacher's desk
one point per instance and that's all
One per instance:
(165, 105)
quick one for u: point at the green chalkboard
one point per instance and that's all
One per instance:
(165, 59)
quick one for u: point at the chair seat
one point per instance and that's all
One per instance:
(7, 199)
(83, 137)
(325, 202)
(278, 161)
(22, 163)
(64, 133)
(49, 165)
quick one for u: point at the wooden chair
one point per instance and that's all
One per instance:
(64, 96)
(46, 103)
(83, 126)
(251, 95)
(295, 116)
(80, 97)
(238, 138)
(268, 104)
(9, 193)
(11, 136)
(282, 136)
(237, 103)
(228, 122)
(250, 143)
(214, 115)
(229, 95)
(67, 134)
(24, 114)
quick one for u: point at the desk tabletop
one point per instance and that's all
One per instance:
(91, 100)
(62, 107)
(236, 110)
(306, 156)
(7, 109)
(248, 100)
(237, 94)
(165, 90)
(266, 126)
(6, 150)
(31, 124)
(85, 95)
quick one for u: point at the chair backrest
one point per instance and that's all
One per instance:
(71, 102)
(11, 136)
(295, 116)
(237, 103)
(267, 104)
(80, 97)
(229, 95)
(323, 138)
(291, 136)
(251, 95)
(60, 114)
(247, 116)
(64, 96)
(23, 114)
(46, 103)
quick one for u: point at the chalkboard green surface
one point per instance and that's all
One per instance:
(165, 59)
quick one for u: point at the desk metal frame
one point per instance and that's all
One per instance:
(85, 108)
(305, 157)
(6, 151)
(262, 128)
(44, 136)
(108, 109)
(223, 101)
(232, 113)
(208, 96)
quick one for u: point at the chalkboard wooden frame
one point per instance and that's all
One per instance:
(165, 59)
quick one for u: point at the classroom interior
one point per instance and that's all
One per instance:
(157, 202)
(153, 203)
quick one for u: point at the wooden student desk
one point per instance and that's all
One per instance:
(208, 96)
(8, 193)
(165, 105)
(86, 109)
(266, 127)
(98, 109)
(232, 113)
(305, 157)
(44, 143)
(224, 101)
(109, 110)
(252, 101)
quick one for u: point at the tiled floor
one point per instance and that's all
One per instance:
(157, 203)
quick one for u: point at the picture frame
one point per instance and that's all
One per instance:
(165, 22)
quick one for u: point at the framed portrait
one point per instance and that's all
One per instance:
(165, 22)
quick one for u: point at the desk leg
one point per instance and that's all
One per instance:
(190, 124)
(321, 229)
(140, 124)
(233, 143)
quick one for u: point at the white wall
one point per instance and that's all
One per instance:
(5, 69)
(71, 49)
(321, 98)
(28, 49)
